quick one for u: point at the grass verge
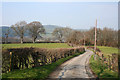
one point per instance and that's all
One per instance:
(38, 72)
(100, 69)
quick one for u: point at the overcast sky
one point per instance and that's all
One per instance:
(77, 15)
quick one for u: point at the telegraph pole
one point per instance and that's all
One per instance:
(95, 36)
(84, 40)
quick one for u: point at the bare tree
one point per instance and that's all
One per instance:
(35, 29)
(58, 33)
(19, 29)
(76, 37)
(110, 37)
(62, 33)
(105, 37)
(67, 33)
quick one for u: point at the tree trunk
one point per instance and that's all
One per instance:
(60, 41)
(21, 40)
(6, 40)
(34, 40)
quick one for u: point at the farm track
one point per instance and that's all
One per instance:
(77, 67)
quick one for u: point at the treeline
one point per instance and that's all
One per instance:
(105, 36)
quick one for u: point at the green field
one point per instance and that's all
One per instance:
(108, 50)
(38, 45)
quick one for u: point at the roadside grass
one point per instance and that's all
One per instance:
(38, 45)
(41, 72)
(100, 69)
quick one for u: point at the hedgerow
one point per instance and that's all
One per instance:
(22, 58)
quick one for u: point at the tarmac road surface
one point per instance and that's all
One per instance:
(77, 67)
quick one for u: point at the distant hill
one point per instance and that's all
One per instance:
(4, 29)
(81, 29)
(48, 36)
(49, 29)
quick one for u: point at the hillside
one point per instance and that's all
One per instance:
(12, 38)
(49, 29)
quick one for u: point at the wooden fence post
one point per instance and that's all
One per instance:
(114, 62)
(112, 58)
(10, 61)
(109, 62)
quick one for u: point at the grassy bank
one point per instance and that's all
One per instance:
(38, 72)
(38, 45)
(100, 69)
